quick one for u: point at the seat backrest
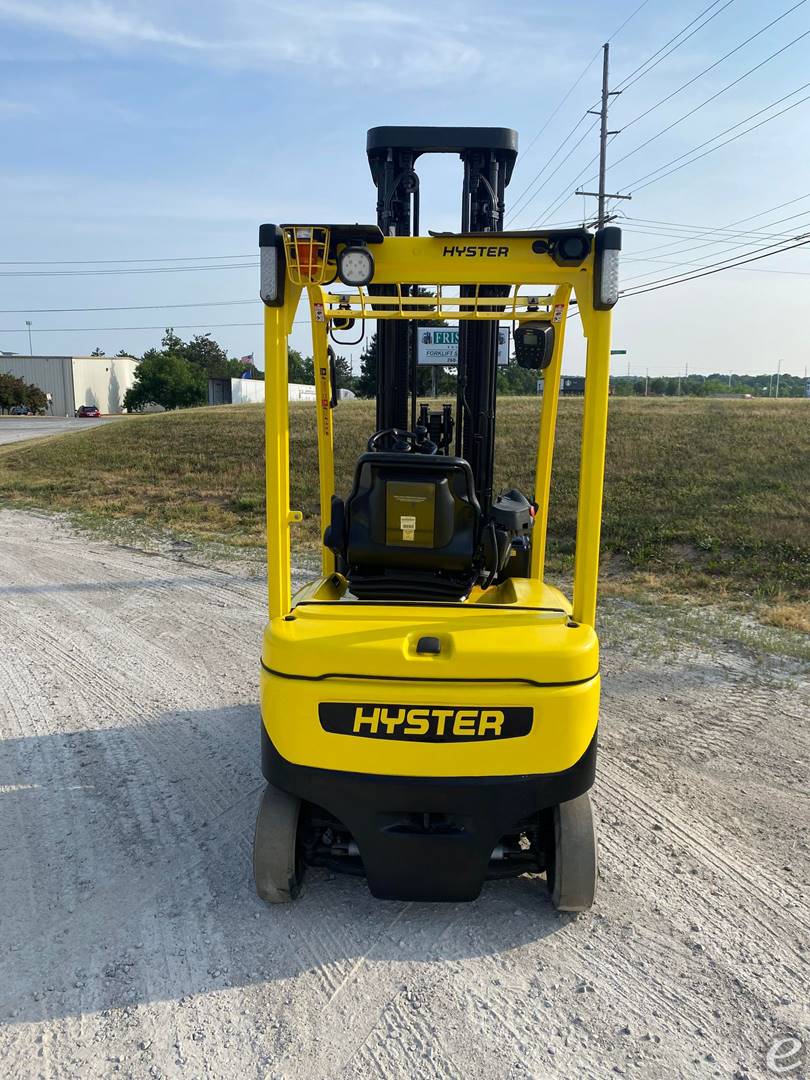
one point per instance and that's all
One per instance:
(414, 511)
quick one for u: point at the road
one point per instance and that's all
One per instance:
(19, 428)
(133, 945)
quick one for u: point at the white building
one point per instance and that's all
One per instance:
(76, 380)
(241, 391)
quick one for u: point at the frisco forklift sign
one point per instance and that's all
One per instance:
(439, 345)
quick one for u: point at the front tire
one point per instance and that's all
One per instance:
(277, 864)
(571, 864)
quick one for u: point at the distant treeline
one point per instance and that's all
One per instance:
(709, 385)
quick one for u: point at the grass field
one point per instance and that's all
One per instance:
(700, 494)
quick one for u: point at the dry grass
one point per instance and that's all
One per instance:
(701, 496)
(788, 616)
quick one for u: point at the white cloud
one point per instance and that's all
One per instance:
(13, 108)
(357, 41)
(94, 22)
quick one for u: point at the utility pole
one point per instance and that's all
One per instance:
(770, 383)
(778, 376)
(602, 217)
(30, 346)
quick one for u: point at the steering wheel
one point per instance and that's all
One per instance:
(403, 442)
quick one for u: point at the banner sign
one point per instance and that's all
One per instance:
(439, 345)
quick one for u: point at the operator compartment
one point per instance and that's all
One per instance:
(412, 527)
(409, 529)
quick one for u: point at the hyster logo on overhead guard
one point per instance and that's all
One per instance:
(426, 723)
(469, 251)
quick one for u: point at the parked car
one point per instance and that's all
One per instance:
(19, 410)
(88, 411)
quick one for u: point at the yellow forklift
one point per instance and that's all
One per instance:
(429, 703)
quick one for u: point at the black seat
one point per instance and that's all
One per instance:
(410, 529)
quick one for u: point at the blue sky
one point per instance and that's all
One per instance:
(142, 130)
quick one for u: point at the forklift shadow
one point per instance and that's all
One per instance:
(126, 878)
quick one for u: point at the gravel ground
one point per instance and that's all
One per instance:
(20, 428)
(132, 943)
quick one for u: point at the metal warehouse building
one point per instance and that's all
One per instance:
(76, 380)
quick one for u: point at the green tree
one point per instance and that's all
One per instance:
(207, 355)
(98, 351)
(16, 391)
(514, 380)
(10, 391)
(34, 398)
(343, 372)
(171, 342)
(168, 379)
(366, 382)
(300, 369)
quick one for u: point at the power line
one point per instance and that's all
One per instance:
(703, 104)
(88, 262)
(715, 268)
(629, 81)
(566, 193)
(623, 84)
(675, 249)
(519, 210)
(706, 240)
(759, 270)
(123, 329)
(693, 231)
(632, 15)
(132, 329)
(720, 134)
(562, 101)
(579, 79)
(639, 187)
(129, 307)
(705, 236)
(745, 243)
(716, 63)
(689, 260)
(143, 270)
(779, 206)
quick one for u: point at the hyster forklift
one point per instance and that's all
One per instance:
(429, 703)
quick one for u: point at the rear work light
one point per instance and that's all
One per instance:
(606, 268)
(355, 265)
(272, 271)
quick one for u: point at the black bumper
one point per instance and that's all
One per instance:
(469, 815)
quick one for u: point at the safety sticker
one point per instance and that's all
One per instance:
(558, 313)
(407, 524)
(319, 315)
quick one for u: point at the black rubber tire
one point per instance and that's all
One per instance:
(571, 870)
(277, 865)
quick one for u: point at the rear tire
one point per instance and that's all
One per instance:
(571, 858)
(277, 864)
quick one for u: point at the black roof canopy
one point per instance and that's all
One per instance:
(443, 140)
